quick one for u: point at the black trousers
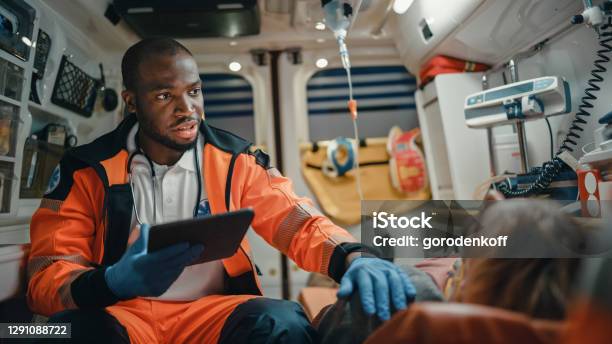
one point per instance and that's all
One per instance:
(259, 320)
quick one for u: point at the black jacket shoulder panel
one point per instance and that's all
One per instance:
(89, 155)
(110, 144)
(261, 158)
(224, 140)
(107, 145)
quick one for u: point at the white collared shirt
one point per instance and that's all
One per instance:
(172, 193)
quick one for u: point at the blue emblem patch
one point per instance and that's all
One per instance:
(54, 180)
(203, 208)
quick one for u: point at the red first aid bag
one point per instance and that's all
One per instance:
(444, 65)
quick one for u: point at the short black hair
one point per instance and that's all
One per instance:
(135, 54)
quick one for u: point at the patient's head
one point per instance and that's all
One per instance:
(539, 287)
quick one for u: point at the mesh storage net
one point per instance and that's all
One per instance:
(74, 89)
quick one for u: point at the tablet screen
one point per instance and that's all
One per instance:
(220, 234)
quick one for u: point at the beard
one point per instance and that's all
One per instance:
(151, 132)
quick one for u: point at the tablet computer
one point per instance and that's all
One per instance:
(220, 234)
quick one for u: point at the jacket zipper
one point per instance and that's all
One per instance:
(228, 187)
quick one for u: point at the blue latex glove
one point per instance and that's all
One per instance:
(139, 273)
(376, 280)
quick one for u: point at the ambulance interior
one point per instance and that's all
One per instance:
(273, 73)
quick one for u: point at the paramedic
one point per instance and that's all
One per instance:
(89, 264)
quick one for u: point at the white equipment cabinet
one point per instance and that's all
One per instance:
(457, 156)
(486, 31)
(426, 24)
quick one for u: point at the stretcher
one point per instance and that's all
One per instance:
(338, 197)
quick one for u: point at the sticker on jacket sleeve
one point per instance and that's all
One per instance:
(54, 180)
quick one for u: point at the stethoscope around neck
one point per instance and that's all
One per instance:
(139, 151)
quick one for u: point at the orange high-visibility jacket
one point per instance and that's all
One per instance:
(82, 225)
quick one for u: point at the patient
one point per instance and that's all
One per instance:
(540, 288)
(537, 287)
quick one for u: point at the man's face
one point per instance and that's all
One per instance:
(168, 100)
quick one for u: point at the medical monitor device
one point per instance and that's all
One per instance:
(519, 101)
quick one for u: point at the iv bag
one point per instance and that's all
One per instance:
(339, 14)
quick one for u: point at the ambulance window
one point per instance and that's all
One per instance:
(228, 104)
(384, 94)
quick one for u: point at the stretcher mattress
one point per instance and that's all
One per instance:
(338, 196)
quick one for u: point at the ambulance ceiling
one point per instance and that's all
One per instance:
(284, 23)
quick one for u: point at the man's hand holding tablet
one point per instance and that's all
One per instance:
(220, 234)
(143, 273)
(160, 253)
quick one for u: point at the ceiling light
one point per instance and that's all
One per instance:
(401, 6)
(233, 43)
(321, 63)
(320, 26)
(27, 41)
(235, 66)
(320, 40)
